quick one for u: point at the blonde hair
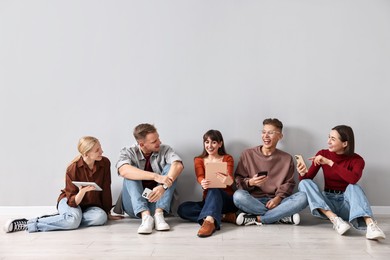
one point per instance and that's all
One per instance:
(86, 143)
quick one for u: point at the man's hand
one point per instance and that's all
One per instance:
(273, 202)
(156, 193)
(163, 180)
(257, 181)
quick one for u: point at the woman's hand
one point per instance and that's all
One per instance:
(85, 189)
(320, 160)
(205, 184)
(301, 168)
(225, 178)
(82, 190)
(272, 203)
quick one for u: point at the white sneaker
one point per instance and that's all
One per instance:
(374, 232)
(159, 222)
(293, 219)
(245, 219)
(340, 225)
(146, 225)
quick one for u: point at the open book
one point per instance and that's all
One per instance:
(211, 173)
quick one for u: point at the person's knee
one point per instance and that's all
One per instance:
(73, 220)
(166, 169)
(100, 219)
(301, 198)
(353, 187)
(238, 196)
(303, 184)
(212, 192)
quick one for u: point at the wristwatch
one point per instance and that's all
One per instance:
(165, 187)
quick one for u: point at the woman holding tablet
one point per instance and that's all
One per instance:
(342, 201)
(217, 204)
(78, 205)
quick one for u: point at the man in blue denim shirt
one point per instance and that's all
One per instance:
(152, 165)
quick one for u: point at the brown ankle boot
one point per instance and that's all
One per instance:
(207, 229)
(229, 217)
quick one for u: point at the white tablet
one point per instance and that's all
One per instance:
(87, 183)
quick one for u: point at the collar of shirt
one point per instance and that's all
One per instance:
(81, 163)
(140, 154)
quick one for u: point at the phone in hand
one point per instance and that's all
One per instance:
(146, 193)
(299, 159)
(262, 173)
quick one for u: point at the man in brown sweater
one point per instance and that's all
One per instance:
(265, 182)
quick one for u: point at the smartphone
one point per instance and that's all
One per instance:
(299, 159)
(262, 173)
(146, 193)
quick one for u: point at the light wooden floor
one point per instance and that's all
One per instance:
(312, 239)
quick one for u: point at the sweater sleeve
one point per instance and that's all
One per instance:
(312, 171)
(241, 175)
(287, 188)
(199, 169)
(350, 172)
(71, 190)
(230, 165)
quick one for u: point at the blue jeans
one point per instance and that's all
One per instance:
(134, 203)
(352, 205)
(216, 203)
(256, 206)
(68, 218)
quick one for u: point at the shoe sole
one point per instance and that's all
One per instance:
(144, 232)
(6, 226)
(375, 237)
(342, 232)
(240, 219)
(296, 219)
(163, 229)
(200, 235)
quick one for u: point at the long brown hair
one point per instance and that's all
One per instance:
(216, 136)
(346, 135)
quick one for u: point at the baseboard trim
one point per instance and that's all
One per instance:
(381, 210)
(42, 210)
(27, 211)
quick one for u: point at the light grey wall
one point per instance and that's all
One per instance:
(74, 68)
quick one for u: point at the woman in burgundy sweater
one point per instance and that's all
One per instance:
(342, 200)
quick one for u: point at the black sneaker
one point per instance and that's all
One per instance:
(245, 219)
(14, 225)
(294, 219)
